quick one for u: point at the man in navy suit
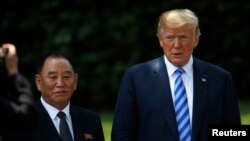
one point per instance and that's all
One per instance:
(57, 80)
(145, 107)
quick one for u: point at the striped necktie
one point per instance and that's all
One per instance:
(181, 107)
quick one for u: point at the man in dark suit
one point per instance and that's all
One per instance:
(16, 98)
(57, 80)
(147, 101)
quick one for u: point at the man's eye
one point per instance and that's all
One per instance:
(183, 37)
(169, 38)
(67, 76)
(52, 77)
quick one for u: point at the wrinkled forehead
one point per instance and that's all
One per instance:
(186, 29)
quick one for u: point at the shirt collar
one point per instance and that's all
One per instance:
(52, 111)
(171, 68)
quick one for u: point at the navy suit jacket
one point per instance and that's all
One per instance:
(145, 112)
(86, 125)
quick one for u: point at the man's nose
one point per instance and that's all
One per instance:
(59, 81)
(176, 42)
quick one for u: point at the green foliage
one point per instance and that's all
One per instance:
(105, 39)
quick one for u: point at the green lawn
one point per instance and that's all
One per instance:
(107, 119)
(245, 112)
(107, 124)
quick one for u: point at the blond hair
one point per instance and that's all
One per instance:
(176, 18)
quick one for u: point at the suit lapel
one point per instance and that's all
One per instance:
(81, 124)
(78, 133)
(162, 87)
(46, 125)
(199, 97)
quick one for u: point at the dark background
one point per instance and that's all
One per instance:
(107, 37)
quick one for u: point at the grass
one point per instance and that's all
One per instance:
(107, 118)
(107, 124)
(245, 112)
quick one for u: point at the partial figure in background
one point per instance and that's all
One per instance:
(16, 99)
(153, 93)
(56, 80)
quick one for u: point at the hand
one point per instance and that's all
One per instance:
(11, 59)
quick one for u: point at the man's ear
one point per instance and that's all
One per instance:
(161, 41)
(76, 80)
(38, 81)
(196, 41)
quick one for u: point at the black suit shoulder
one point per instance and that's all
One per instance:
(84, 112)
(210, 68)
(147, 66)
(85, 122)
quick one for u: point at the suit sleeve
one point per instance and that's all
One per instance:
(124, 123)
(231, 113)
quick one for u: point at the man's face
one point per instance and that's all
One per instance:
(178, 43)
(57, 81)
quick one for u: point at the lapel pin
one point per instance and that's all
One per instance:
(203, 79)
(87, 136)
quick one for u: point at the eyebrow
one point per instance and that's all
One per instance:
(67, 72)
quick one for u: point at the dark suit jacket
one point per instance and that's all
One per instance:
(86, 125)
(145, 111)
